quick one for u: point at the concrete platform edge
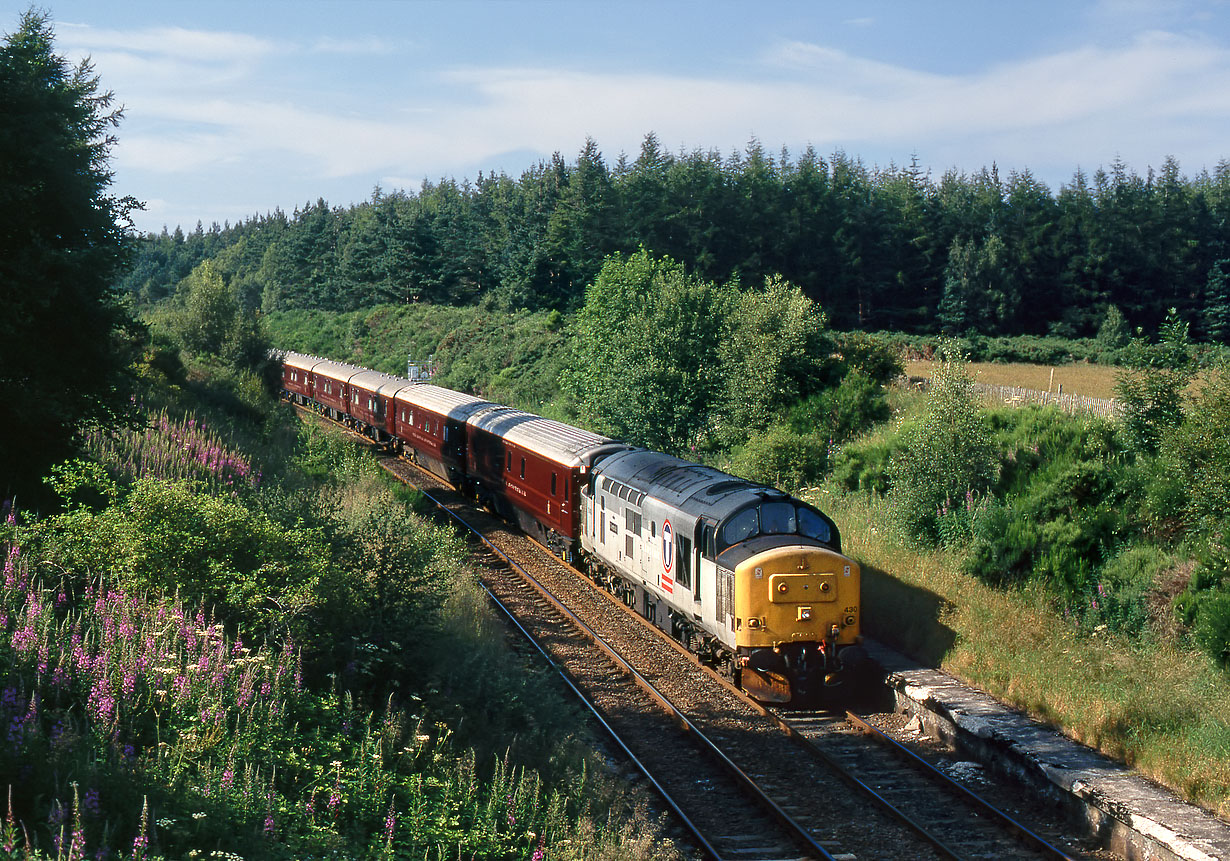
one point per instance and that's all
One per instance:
(1128, 813)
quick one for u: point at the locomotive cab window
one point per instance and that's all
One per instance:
(814, 526)
(740, 527)
(777, 518)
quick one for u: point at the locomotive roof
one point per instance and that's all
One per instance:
(682, 484)
(442, 401)
(382, 384)
(554, 440)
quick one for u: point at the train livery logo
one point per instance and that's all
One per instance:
(668, 546)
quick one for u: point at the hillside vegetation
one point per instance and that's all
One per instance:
(1105, 537)
(236, 637)
(890, 248)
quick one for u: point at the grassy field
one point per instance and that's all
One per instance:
(1092, 381)
(1164, 710)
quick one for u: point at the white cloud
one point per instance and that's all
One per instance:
(200, 104)
(214, 46)
(371, 46)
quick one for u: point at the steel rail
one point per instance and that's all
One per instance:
(743, 778)
(1021, 831)
(688, 824)
(1014, 827)
(691, 827)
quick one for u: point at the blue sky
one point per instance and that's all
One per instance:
(235, 108)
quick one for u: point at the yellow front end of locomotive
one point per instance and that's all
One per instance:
(796, 595)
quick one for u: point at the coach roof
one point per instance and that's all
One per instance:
(381, 384)
(554, 440)
(444, 402)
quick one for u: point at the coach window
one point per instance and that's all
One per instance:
(553, 480)
(523, 467)
(565, 490)
(508, 463)
(446, 433)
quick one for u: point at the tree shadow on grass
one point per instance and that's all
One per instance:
(906, 617)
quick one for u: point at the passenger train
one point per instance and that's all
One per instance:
(747, 577)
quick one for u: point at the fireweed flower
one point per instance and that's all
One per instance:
(390, 823)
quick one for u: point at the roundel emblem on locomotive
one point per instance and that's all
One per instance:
(668, 546)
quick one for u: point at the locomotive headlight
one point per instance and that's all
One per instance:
(804, 614)
(849, 621)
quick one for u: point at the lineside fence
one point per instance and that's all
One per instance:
(1108, 408)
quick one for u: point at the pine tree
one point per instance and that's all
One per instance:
(1217, 304)
(65, 338)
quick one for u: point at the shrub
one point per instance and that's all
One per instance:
(1120, 598)
(1212, 629)
(946, 455)
(1192, 473)
(842, 412)
(1152, 390)
(169, 537)
(782, 457)
(863, 465)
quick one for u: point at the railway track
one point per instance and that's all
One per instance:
(823, 786)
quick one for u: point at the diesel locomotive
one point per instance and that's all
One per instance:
(749, 578)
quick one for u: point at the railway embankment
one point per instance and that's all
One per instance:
(1131, 815)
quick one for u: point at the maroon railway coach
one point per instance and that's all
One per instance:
(372, 411)
(297, 375)
(530, 469)
(430, 424)
(331, 387)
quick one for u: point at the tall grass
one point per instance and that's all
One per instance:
(1158, 706)
(1093, 381)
